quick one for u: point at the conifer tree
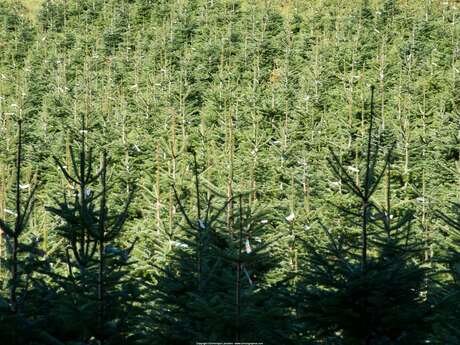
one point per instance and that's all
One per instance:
(217, 274)
(95, 300)
(20, 311)
(263, 88)
(368, 289)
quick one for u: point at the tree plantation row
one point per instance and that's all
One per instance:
(185, 171)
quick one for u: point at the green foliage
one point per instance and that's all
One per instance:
(219, 270)
(260, 90)
(52, 15)
(113, 36)
(369, 289)
(17, 34)
(449, 290)
(95, 289)
(18, 308)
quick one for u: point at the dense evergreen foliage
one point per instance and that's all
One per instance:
(183, 171)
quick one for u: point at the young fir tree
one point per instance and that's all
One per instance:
(367, 289)
(95, 301)
(217, 285)
(22, 291)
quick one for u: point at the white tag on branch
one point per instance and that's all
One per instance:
(10, 212)
(179, 244)
(352, 169)
(264, 221)
(291, 217)
(247, 246)
(335, 184)
(87, 192)
(24, 186)
(247, 275)
(201, 224)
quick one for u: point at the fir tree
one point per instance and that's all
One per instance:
(95, 302)
(20, 312)
(217, 274)
(366, 291)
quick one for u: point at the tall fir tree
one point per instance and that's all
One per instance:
(96, 302)
(367, 288)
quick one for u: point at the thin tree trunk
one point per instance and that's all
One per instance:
(238, 274)
(14, 268)
(100, 287)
